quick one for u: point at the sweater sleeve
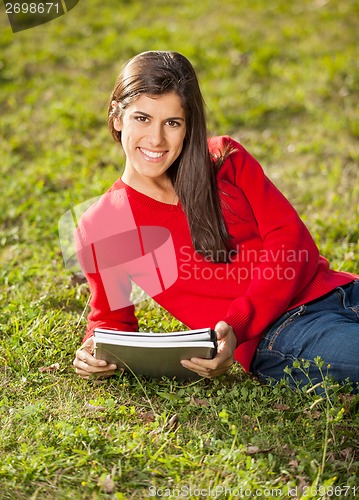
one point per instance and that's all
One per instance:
(101, 314)
(101, 246)
(288, 259)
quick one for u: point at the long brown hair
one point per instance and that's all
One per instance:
(193, 174)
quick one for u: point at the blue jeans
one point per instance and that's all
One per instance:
(327, 327)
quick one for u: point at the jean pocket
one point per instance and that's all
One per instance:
(280, 325)
(348, 295)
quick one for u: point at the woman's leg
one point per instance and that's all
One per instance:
(327, 328)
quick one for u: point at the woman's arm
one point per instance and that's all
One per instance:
(288, 259)
(101, 249)
(283, 264)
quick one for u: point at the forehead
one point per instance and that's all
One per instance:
(168, 104)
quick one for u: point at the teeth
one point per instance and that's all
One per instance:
(151, 154)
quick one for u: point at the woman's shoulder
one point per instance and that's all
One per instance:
(228, 157)
(221, 144)
(108, 213)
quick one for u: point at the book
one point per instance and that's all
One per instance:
(155, 354)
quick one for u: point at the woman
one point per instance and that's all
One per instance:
(237, 257)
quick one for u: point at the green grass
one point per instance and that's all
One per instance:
(283, 78)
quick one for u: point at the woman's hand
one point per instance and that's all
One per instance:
(210, 368)
(86, 364)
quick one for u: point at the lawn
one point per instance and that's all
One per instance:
(283, 78)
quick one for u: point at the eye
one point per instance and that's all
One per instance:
(142, 119)
(173, 123)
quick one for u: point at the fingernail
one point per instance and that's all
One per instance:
(113, 367)
(102, 363)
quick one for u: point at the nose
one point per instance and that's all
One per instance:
(156, 135)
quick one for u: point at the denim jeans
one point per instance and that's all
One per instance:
(327, 327)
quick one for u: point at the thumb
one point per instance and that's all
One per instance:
(222, 328)
(88, 345)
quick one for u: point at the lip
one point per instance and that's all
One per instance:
(152, 155)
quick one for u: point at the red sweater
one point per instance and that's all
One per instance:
(275, 264)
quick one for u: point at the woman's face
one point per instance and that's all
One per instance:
(153, 129)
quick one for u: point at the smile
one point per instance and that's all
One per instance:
(152, 154)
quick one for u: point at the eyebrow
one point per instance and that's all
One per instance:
(149, 116)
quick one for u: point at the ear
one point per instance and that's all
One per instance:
(117, 122)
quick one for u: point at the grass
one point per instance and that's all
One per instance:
(283, 78)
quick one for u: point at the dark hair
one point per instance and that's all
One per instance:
(193, 174)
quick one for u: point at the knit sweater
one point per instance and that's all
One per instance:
(274, 265)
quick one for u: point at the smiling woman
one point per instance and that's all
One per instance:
(170, 76)
(237, 259)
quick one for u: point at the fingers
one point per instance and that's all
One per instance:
(86, 368)
(86, 364)
(209, 368)
(196, 368)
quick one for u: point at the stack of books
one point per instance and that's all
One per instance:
(155, 354)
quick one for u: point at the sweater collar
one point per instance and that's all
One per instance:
(143, 199)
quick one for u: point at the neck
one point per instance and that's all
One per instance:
(159, 189)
